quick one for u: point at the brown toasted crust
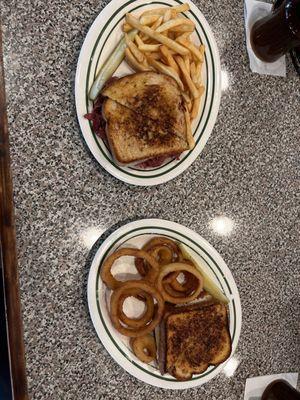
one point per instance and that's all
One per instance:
(152, 121)
(196, 339)
(134, 138)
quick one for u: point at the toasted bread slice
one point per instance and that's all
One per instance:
(156, 113)
(150, 94)
(134, 138)
(196, 339)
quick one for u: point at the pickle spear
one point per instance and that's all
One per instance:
(110, 65)
(208, 284)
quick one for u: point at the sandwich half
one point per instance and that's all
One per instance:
(145, 118)
(192, 339)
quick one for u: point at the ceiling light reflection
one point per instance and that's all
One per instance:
(89, 236)
(224, 80)
(231, 367)
(222, 225)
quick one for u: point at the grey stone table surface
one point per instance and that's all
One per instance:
(248, 172)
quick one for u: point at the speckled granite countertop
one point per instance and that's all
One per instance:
(248, 172)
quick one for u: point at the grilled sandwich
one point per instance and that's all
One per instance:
(192, 339)
(145, 118)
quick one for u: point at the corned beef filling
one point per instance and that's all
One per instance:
(99, 125)
(97, 119)
(156, 161)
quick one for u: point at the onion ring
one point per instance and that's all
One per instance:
(146, 317)
(157, 243)
(190, 282)
(144, 286)
(113, 283)
(162, 254)
(144, 347)
(175, 267)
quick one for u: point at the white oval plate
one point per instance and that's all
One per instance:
(136, 234)
(102, 37)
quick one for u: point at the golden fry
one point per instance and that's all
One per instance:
(148, 19)
(137, 66)
(156, 36)
(126, 27)
(134, 50)
(193, 72)
(187, 78)
(182, 8)
(162, 10)
(193, 49)
(157, 23)
(187, 100)
(184, 35)
(138, 40)
(173, 13)
(202, 49)
(189, 134)
(183, 28)
(198, 72)
(168, 58)
(167, 15)
(186, 60)
(160, 67)
(173, 23)
(195, 108)
(196, 103)
(149, 47)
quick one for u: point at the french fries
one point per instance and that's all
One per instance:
(157, 23)
(134, 50)
(196, 104)
(189, 133)
(164, 43)
(149, 47)
(138, 40)
(184, 35)
(149, 19)
(159, 66)
(193, 72)
(186, 77)
(198, 72)
(187, 64)
(193, 49)
(126, 27)
(183, 28)
(132, 61)
(167, 15)
(187, 101)
(161, 11)
(168, 58)
(130, 19)
(174, 22)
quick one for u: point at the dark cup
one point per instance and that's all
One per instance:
(280, 390)
(279, 32)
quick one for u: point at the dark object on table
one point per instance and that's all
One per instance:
(276, 34)
(10, 298)
(280, 390)
(5, 378)
(295, 53)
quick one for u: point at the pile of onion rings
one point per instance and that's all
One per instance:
(166, 277)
